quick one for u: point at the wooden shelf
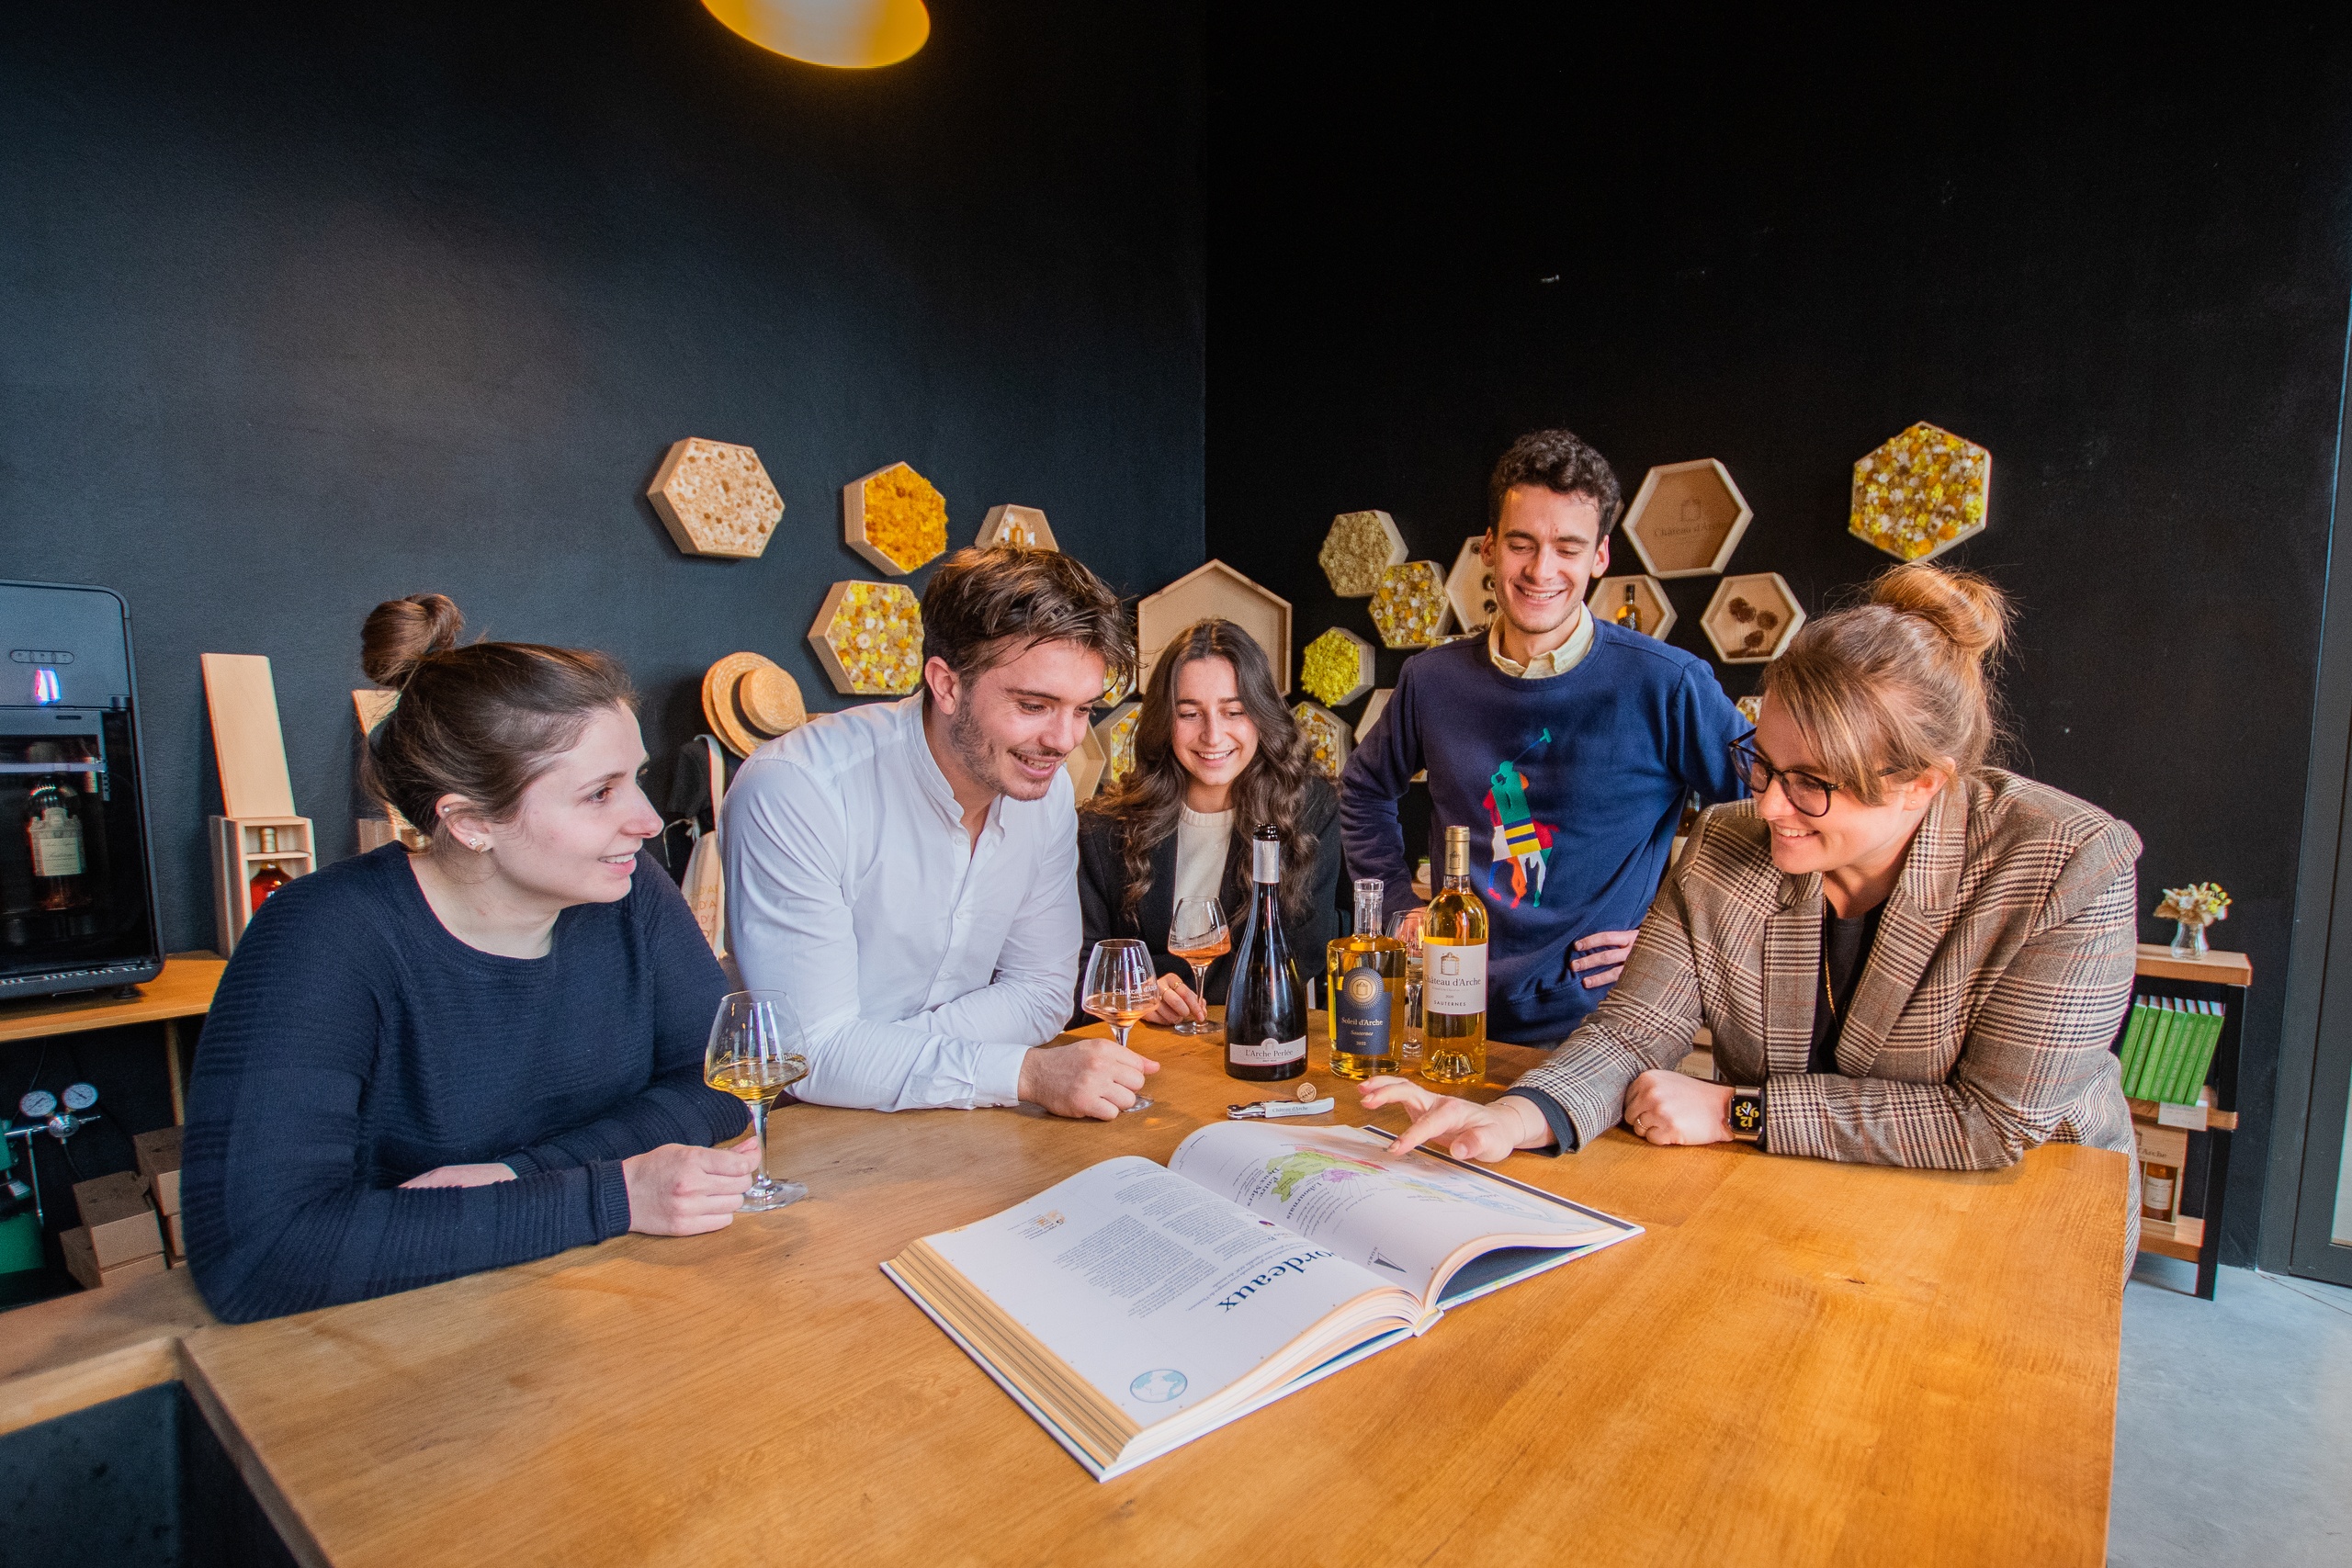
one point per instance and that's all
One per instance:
(2156, 960)
(2215, 1121)
(2183, 1238)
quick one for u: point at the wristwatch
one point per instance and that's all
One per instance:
(1745, 1115)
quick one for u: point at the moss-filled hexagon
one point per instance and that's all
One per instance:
(895, 518)
(1336, 668)
(868, 636)
(1360, 546)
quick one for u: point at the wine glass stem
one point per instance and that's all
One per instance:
(759, 1109)
(1119, 1034)
(1200, 981)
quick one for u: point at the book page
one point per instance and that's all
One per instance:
(1158, 1293)
(1401, 1217)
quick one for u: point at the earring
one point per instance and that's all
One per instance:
(477, 845)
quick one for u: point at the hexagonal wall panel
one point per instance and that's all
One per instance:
(895, 518)
(1751, 617)
(1085, 766)
(1373, 706)
(1214, 590)
(1470, 588)
(1687, 519)
(868, 636)
(1336, 668)
(1326, 738)
(715, 499)
(1652, 612)
(1022, 526)
(1115, 734)
(1409, 606)
(1356, 550)
(1921, 493)
(1751, 707)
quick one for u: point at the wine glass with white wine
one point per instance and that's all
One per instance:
(1120, 987)
(1197, 935)
(755, 1053)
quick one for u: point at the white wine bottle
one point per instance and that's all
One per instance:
(1367, 980)
(1453, 973)
(1265, 1005)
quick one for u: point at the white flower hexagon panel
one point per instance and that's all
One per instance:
(1921, 493)
(868, 636)
(1409, 607)
(1327, 738)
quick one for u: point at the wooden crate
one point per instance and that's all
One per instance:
(237, 853)
(1687, 519)
(1215, 590)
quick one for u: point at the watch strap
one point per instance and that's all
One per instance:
(1744, 1114)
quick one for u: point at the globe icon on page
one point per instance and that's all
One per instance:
(1158, 1386)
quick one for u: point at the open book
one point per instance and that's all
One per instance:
(1132, 1308)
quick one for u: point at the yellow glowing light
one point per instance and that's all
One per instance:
(853, 34)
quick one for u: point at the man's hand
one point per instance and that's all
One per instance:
(1470, 1130)
(1601, 956)
(1177, 1003)
(1409, 925)
(1667, 1107)
(678, 1189)
(461, 1175)
(1086, 1077)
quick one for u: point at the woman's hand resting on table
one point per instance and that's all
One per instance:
(1667, 1107)
(1178, 1004)
(679, 1189)
(1466, 1129)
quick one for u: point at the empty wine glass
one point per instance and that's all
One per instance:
(1197, 935)
(1120, 987)
(754, 1054)
(1405, 925)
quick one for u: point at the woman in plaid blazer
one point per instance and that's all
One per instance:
(1996, 916)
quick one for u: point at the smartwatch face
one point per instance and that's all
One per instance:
(1747, 1114)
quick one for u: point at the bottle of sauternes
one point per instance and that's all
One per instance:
(1265, 1005)
(1453, 973)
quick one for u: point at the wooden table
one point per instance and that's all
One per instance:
(183, 990)
(1801, 1363)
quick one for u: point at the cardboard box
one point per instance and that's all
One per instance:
(173, 1248)
(121, 1223)
(82, 1262)
(159, 1167)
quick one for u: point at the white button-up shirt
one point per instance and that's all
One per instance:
(922, 965)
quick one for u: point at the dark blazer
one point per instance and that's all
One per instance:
(1102, 883)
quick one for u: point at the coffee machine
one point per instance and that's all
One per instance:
(77, 881)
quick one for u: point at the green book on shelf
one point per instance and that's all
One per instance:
(2134, 1048)
(2197, 1053)
(2166, 1039)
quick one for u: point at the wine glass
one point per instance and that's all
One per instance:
(1197, 935)
(1120, 987)
(754, 1054)
(1405, 925)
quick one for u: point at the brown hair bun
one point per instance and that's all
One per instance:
(400, 634)
(1964, 607)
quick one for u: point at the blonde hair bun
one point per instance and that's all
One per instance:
(400, 634)
(1966, 608)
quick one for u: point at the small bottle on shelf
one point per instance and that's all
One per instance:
(1629, 614)
(2158, 1183)
(1453, 973)
(1265, 1004)
(1367, 991)
(268, 876)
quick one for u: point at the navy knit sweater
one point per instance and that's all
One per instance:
(355, 1043)
(1571, 786)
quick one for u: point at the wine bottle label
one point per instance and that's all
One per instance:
(2155, 1194)
(1453, 977)
(1360, 1013)
(57, 844)
(1267, 1053)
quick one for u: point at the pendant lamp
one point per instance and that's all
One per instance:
(851, 34)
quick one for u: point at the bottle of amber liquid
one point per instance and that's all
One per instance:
(1366, 975)
(1453, 973)
(54, 833)
(1629, 614)
(268, 876)
(2156, 1184)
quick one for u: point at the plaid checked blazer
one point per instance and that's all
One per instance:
(1979, 1029)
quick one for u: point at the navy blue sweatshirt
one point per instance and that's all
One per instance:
(355, 1043)
(1571, 786)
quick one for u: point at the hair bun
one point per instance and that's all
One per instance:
(400, 634)
(1965, 607)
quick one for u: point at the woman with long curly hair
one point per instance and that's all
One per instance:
(1217, 756)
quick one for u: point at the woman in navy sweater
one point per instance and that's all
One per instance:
(420, 1066)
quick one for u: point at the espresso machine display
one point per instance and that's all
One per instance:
(77, 907)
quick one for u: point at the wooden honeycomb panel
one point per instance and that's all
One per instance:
(715, 499)
(868, 636)
(895, 518)
(1327, 738)
(1373, 706)
(1751, 617)
(1359, 546)
(1653, 611)
(1687, 519)
(1336, 668)
(1411, 606)
(1470, 588)
(1921, 493)
(1085, 766)
(1214, 590)
(1022, 526)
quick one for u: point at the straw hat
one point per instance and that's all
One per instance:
(747, 699)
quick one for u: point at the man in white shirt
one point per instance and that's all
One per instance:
(908, 872)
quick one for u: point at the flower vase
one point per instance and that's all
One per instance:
(2187, 940)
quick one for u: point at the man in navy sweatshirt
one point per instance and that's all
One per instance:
(1566, 744)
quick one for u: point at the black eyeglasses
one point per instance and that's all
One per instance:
(1809, 795)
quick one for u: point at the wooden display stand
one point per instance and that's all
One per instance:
(237, 854)
(256, 791)
(2194, 1139)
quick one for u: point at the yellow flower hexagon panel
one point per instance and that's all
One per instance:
(1360, 546)
(1336, 668)
(1024, 526)
(1921, 493)
(1326, 738)
(1470, 589)
(1115, 734)
(895, 518)
(1637, 602)
(868, 636)
(1751, 617)
(1409, 606)
(1687, 519)
(715, 499)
